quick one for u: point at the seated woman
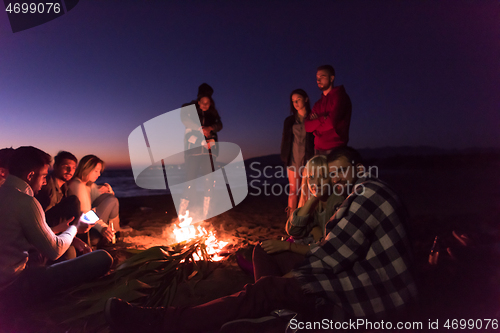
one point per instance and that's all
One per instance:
(99, 198)
(306, 224)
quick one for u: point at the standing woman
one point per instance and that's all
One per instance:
(297, 146)
(101, 198)
(200, 145)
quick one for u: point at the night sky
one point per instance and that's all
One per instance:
(417, 72)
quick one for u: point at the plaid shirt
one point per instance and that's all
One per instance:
(362, 265)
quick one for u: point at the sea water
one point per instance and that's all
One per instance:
(123, 183)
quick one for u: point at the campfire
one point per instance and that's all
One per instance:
(180, 235)
(186, 231)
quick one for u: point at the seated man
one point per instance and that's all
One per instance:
(23, 226)
(4, 163)
(359, 270)
(58, 206)
(362, 265)
(56, 188)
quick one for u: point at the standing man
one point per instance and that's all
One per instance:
(331, 115)
(23, 227)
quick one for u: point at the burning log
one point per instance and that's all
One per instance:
(209, 246)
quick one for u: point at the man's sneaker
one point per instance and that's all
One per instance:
(125, 317)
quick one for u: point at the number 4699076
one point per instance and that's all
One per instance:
(40, 8)
(471, 324)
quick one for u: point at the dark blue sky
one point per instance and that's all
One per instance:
(417, 72)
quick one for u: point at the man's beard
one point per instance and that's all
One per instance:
(65, 177)
(323, 88)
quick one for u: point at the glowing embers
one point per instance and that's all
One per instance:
(210, 246)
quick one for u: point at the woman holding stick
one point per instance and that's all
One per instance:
(200, 145)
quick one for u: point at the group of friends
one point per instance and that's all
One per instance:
(45, 245)
(347, 256)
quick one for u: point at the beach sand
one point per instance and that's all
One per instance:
(437, 202)
(256, 219)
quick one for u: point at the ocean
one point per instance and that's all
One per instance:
(123, 183)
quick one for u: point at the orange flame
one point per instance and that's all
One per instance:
(185, 231)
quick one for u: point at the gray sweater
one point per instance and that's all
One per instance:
(23, 227)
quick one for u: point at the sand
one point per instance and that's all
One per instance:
(439, 201)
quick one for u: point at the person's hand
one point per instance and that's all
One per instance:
(108, 234)
(62, 226)
(110, 189)
(313, 200)
(81, 246)
(275, 246)
(106, 188)
(313, 116)
(309, 206)
(207, 130)
(82, 227)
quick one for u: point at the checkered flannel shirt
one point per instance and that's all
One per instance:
(362, 265)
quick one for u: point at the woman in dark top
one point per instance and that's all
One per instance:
(297, 146)
(200, 144)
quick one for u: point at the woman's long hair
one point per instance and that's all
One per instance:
(315, 164)
(302, 93)
(86, 165)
